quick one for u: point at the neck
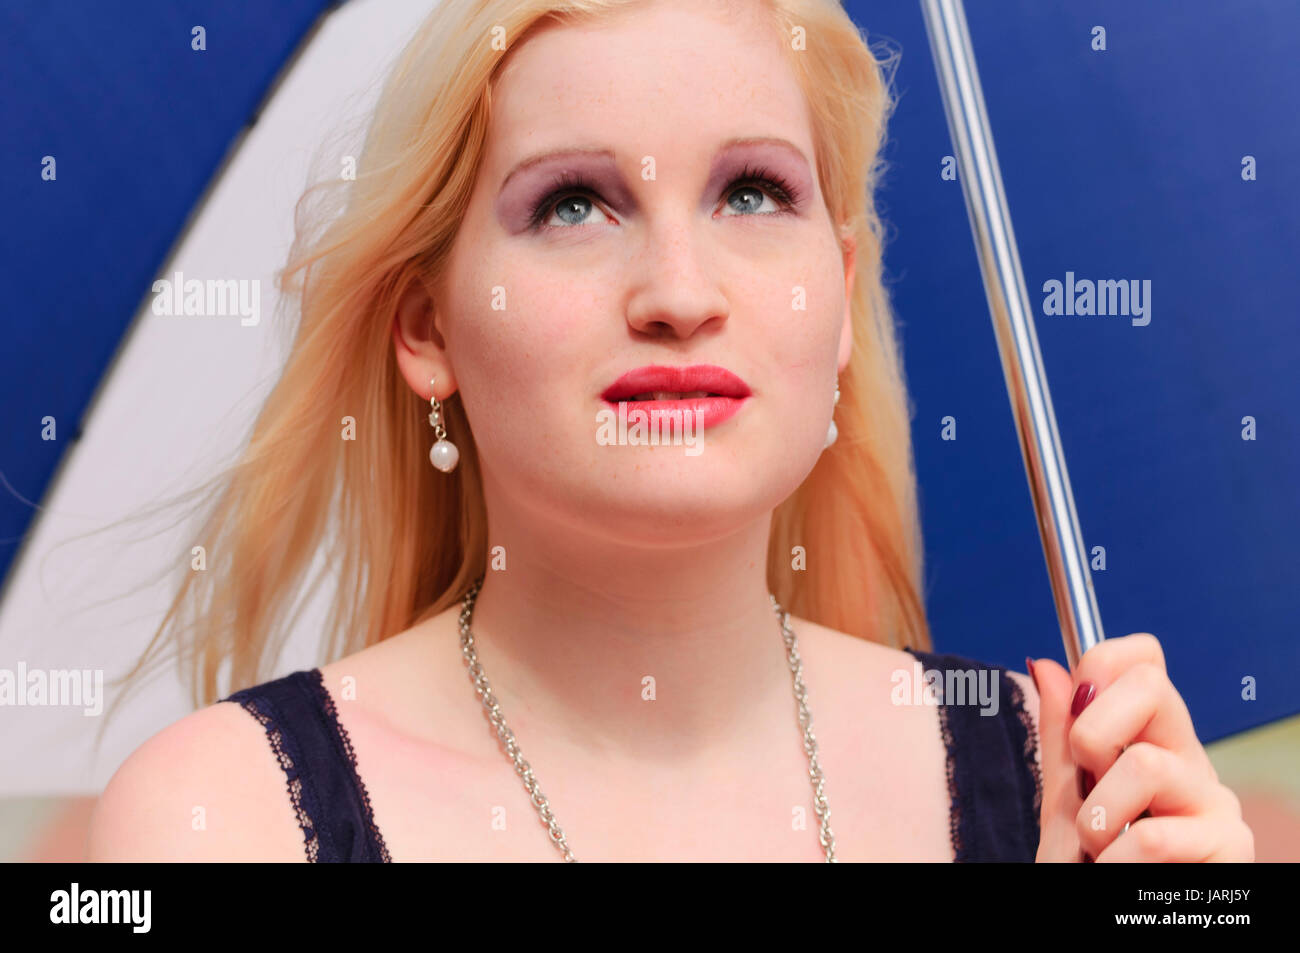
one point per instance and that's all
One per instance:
(670, 655)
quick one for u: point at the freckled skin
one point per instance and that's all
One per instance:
(677, 276)
(626, 561)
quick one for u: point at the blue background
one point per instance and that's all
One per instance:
(139, 124)
(1118, 164)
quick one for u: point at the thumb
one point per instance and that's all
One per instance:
(1058, 838)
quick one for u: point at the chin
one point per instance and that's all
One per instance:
(674, 500)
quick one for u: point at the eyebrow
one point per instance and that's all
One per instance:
(729, 145)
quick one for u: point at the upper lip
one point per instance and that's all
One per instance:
(677, 380)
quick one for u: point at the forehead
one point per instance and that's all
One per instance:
(655, 78)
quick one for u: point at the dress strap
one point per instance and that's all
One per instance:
(328, 796)
(994, 782)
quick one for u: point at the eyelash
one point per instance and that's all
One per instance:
(566, 184)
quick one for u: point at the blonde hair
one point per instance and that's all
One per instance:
(406, 546)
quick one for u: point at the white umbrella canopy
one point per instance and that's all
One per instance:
(175, 403)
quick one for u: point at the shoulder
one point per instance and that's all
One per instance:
(863, 658)
(205, 788)
(983, 704)
(865, 677)
(396, 690)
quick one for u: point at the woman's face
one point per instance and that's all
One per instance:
(672, 249)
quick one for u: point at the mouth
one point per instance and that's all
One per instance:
(713, 393)
(664, 395)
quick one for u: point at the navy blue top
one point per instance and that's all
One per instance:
(994, 786)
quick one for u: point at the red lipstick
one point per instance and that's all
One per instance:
(714, 392)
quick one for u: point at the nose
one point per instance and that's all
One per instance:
(675, 291)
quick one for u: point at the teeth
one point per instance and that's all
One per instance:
(669, 395)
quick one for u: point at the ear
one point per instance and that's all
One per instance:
(420, 348)
(850, 248)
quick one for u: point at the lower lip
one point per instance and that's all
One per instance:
(711, 411)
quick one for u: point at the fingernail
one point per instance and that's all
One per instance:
(1082, 696)
(1029, 667)
(1086, 783)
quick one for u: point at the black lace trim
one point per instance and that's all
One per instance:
(1022, 733)
(1030, 750)
(950, 763)
(292, 781)
(954, 796)
(327, 702)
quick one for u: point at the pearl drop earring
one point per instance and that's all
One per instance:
(832, 432)
(443, 454)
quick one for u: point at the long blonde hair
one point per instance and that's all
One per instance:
(405, 546)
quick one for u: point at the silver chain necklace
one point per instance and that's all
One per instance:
(525, 771)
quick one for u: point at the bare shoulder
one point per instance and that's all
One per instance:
(870, 669)
(866, 664)
(864, 723)
(206, 788)
(398, 687)
(864, 677)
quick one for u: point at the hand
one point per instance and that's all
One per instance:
(1134, 736)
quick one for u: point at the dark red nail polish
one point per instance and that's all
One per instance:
(1082, 696)
(1087, 858)
(1086, 783)
(1029, 667)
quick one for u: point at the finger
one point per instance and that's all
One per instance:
(1188, 840)
(1146, 777)
(1110, 658)
(1058, 840)
(1141, 704)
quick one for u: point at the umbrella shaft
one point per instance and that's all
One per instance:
(1022, 364)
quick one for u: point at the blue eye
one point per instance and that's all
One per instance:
(578, 205)
(572, 195)
(751, 208)
(567, 186)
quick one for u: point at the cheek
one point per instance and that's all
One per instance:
(520, 344)
(802, 332)
(809, 367)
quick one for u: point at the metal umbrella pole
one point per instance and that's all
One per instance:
(1022, 364)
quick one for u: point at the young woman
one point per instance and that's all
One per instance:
(561, 641)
